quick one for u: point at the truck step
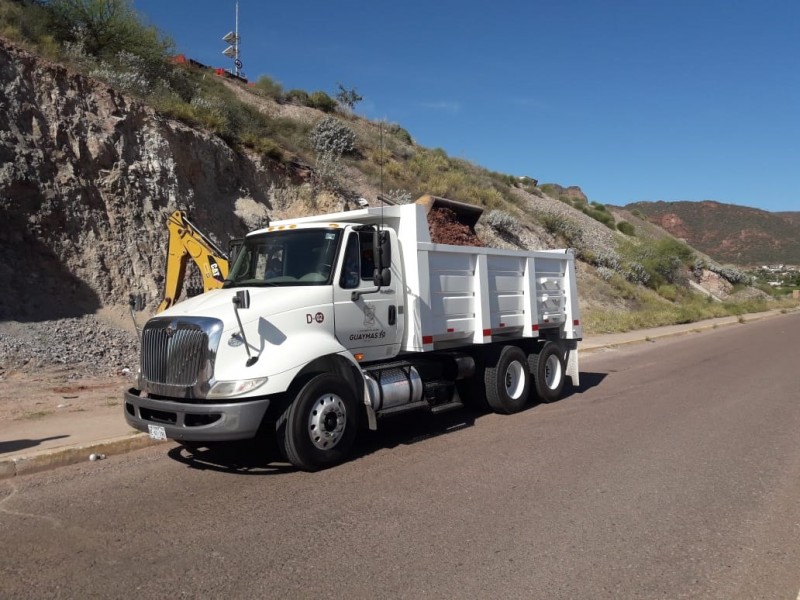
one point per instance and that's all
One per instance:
(445, 407)
(394, 410)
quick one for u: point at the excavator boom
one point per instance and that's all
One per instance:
(187, 242)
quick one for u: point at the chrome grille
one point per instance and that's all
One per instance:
(178, 355)
(174, 356)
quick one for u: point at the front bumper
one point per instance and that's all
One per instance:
(183, 421)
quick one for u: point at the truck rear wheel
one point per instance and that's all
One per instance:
(318, 428)
(548, 372)
(508, 381)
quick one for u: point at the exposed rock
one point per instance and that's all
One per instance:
(714, 284)
(87, 179)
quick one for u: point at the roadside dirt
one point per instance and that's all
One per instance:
(52, 390)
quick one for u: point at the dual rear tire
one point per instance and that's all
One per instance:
(509, 376)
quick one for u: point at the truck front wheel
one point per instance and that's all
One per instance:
(318, 428)
(508, 381)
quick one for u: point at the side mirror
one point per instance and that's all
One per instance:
(382, 257)
(382, 277)
(242, 299)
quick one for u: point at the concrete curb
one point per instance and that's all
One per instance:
(640, 337)
(61, 457)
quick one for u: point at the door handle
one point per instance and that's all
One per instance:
(392, 314)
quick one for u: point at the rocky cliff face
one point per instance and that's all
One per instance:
(87, 178)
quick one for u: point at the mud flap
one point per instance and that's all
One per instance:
(572, 367)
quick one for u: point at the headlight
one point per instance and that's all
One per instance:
(226, 389)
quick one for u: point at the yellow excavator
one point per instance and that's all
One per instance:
(187, 241)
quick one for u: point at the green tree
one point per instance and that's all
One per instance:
(348, 98)
(104, 28)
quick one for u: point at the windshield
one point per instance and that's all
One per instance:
(286, 258)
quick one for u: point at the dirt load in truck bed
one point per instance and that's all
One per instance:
(445, 228)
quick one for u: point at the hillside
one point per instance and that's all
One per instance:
(729, 233)
(792, 217)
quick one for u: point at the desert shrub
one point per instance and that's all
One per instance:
(297, 97)
(733, 275)
(565, 228)
(602, 216)
(330, 135)
(321, 101)
(605, 273)
(128, 72)
(549, 189)
(501, 221)
(664, 260)
(609, 259)
(668, 292)
(636, 273)
(29, 21)
(400, 133)
(398, 196)
(268, 87)
(626, 228)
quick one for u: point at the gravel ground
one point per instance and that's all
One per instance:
(87, 346)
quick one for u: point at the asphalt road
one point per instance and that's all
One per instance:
(673, 472)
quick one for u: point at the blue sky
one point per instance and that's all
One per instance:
(629, 99)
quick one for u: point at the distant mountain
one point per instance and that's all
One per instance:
(793, 217)
(729, 233)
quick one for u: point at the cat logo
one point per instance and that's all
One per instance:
(216, 272)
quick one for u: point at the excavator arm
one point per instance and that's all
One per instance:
(187, 242)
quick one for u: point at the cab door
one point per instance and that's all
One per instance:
(367, 322)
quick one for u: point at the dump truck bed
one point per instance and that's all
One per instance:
(460, 295)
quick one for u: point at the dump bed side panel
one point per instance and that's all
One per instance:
(463, 295)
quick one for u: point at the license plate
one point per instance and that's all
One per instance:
(157, 432)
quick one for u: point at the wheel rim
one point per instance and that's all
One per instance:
(552, 372)
(326, 421)
(515, 380)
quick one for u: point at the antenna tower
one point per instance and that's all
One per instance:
(234, 40)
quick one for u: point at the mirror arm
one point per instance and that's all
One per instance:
(243, 299)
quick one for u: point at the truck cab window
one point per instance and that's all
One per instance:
(367, 257)
(359, 263)
(286, 258)
(351, 268)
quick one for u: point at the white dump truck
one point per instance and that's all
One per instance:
(330, 323)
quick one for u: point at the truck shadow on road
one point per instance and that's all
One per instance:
(261, 456)
(588, 381)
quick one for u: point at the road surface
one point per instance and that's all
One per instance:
(673, 472)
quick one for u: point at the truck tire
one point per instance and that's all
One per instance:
(548, 372)
(318, 428)
(508, 381)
